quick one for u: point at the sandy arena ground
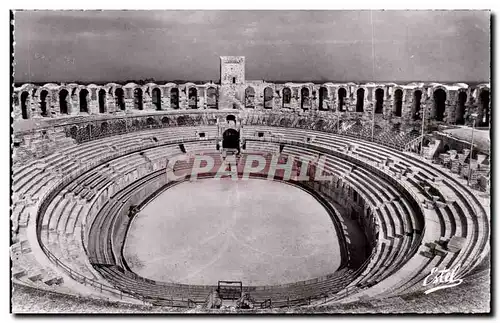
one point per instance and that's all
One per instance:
(256, 231)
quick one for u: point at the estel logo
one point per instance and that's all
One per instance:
(441, 279)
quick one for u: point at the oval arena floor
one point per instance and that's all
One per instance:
(256, 231)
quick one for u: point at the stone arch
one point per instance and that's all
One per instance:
(460, 109)
(136, 124)
(268, 98)
(417, 102)
(120, 98)
(104, 128)
(212, 100)
(83, 98)
(156, 97)
(102, 101)
(484, 99)
(341, 94)
(284, 122)
(287, 97)
(323, 95)
(43, 103)
(304, 98)
(398, 102)
(24, 104)
(90, 130)
(360, 98)
(231, 139)
(302, 123)
(165, 121)
(138, 102)
(174, 98)
(193, 98)
(181, 121)
(320, 125)
(63, 101)
(379, 101)
(230, 117)
(439, 107)
(73, 132)
(249, 97)
(150, 122)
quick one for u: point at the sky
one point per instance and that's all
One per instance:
(357, 46)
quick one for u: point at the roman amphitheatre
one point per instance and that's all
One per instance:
(96, 213)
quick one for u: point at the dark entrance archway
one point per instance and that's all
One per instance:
(485, 108)
(212, 101)
(287, 97)
(43, 103)
(63, 103)
(119, 99)
(342, 93)
(268, 98)
(360, 98)
(174, 98)
(193, 98)
(439, 104)
(102, 101)
(231, 139)
(24, 105)
(304, 98)
(379, 101)
(417, 98)
(231, 117)
(138, 99)
(323, 95)
(398, 102)
(83, 96)
(156, 94)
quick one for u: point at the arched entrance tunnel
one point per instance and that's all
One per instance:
(231, 139)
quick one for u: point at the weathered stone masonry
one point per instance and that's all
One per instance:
(384, 102)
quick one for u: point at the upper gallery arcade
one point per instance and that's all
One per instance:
(446, 103)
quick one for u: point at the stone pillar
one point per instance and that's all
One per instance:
(36, 110)
(314, 98)
(205, 99)
(147, 101)
(450, 107)
(201, 94)
(407, 108)
(73, 105)
(183, 101)
(129, 99)
(30, 107)
(16, 110)
(93, 101)
(111, 103)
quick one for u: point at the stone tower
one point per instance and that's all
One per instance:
(232, 79)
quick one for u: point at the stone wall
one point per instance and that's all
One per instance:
(460, 102)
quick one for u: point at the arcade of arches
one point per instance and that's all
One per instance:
(441, 103)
